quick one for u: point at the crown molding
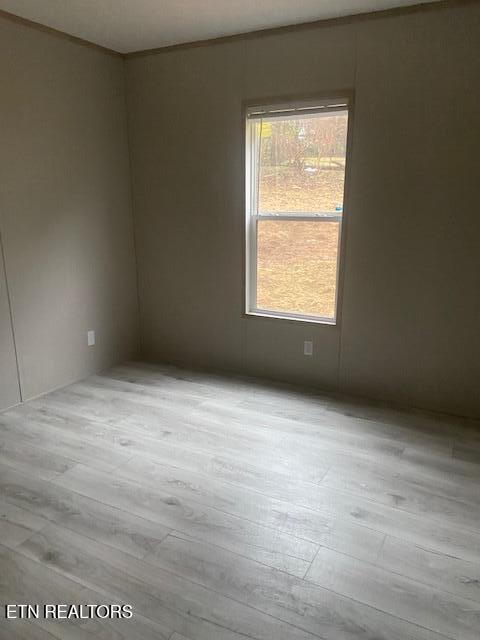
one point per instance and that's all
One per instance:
(249, 35)
(303, 26)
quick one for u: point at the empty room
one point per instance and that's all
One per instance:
(240, 320)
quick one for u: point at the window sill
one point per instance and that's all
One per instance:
(258, 313)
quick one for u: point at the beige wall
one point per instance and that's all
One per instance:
(65, 212)
(411, 303)
(409, 331)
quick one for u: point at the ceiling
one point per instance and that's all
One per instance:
(133, 25)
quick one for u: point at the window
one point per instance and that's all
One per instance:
(295, 177)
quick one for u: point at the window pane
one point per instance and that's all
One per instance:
(302, 163)
(297, 266)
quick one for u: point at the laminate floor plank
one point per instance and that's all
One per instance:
(179, 426)
(330, 503)
(344, 448)
(97, 456)
(289, 488)
(451, 485)
(162, 596)
(28, 429)
(225, 508)
(284, 397)
(302, 403)
(20, 454)
(290, 599)
(312, 417)
(24, 630)
(219, 413)
(23, 581)
(106, 386)
(136, 628)
(265, 448)
(208, 385)
(308, 524)
(46, 502)
(440, 465)
(26, 581)
(17, 524)
(141, 629)
(439, 570)
(249, 470)
(376, 474)
(259, 542)
(83, 403)
(310, 447)
(238, 385)
(389, 488)
(442, 537)
(441, 612)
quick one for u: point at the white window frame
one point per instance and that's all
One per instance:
(254, 114)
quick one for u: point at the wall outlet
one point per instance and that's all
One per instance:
(91, 338)
(308, 348)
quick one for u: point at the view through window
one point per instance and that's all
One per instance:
(296, 160)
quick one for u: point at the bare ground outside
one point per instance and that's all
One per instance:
(297, 260)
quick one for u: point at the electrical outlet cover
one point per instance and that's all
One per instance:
(308, 348)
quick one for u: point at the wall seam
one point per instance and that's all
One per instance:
(132, 209)
(342, 324)
(11, 314)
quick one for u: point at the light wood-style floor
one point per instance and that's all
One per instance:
(223, 508)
